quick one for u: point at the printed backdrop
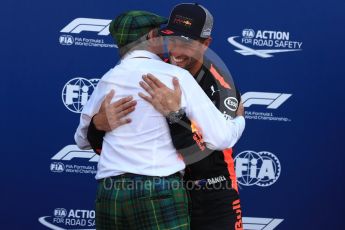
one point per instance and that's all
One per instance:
(286, 57)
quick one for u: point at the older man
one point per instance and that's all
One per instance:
(141, 153)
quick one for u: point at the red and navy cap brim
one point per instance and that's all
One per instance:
(171, 32)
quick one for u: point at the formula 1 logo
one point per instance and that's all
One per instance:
(87, 32)
(260, 223)
(76, 93)
(68, 160)
(79, 25)
(274, 41)
(272, 100)
(70, 152)
(257, 168)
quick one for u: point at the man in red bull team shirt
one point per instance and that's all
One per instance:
(210, 176)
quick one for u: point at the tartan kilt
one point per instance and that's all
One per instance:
(142, 203)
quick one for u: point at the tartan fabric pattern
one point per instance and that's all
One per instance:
(131, 25)
(142, 203)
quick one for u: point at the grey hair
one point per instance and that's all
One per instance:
(139, 44)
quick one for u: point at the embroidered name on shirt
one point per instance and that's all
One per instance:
(215, 180)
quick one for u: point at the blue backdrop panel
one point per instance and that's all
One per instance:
(287, 58)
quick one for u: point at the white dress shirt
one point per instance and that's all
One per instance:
(144, 146)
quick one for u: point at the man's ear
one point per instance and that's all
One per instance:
(206, 43)
(151, 34)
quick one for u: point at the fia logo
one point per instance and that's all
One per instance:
(57, 167)
(69, 219)
(267, 43)
(76, 93)
(257, 168)
(248, 33)
(66, 40)
(60, 212)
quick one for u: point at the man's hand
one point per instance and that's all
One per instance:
(163, 99)
(240, 109)
(111, 115)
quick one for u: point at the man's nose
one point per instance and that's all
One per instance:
(176, 50)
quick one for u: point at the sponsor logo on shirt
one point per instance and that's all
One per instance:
(231, 103)
(213, 90)
(237, 208)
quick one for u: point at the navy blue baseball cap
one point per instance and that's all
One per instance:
(189, 20)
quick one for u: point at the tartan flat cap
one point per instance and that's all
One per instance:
(131, 25)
